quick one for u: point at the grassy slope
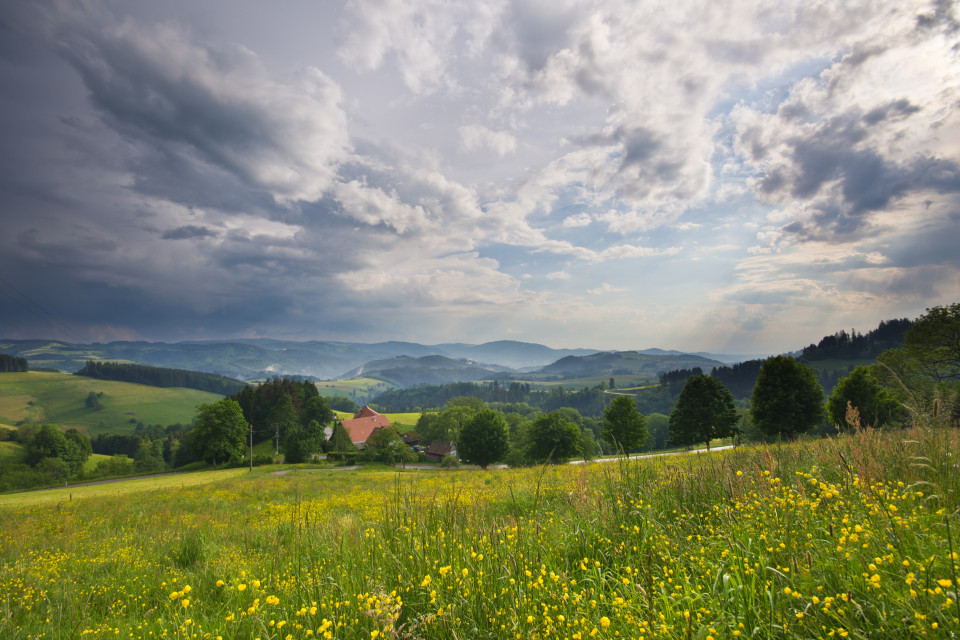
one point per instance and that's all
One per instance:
(60, 398)
(120, 488)
(11, 453)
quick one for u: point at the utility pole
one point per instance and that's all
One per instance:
(250, 432)
(276, 435)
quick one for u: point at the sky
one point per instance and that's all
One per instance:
(729, 176)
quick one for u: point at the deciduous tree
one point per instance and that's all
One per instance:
(623, 426)
(387, 445)
(875, 405)
(933, 341)
(317, 409)
(219, 430)
(704, 411)
(484, 438)
(787, 399)
(553, 438)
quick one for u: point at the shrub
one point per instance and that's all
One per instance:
(450, 461)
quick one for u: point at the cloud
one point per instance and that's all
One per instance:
(844, 150)
(374, 206)
(602, 289)
(420, 38)
(187, 232)
(474, 137)
(577, 221)
(215, 105)
(417, 161)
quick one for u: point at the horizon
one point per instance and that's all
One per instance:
(734, 178)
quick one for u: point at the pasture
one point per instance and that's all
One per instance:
(852, 537)
(61, 398)
(360, 390)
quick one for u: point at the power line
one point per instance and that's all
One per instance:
(51, 319)
(17, 328)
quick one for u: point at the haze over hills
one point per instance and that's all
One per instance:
(616, 363)
(404, 371)
(251, 359)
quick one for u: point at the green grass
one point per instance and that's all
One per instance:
(360, 390)
(854, 537)
(119, 488)
(11, 453)
(91, 464)
(61, 398)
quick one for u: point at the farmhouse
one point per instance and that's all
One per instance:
(364, 422)
(440, 448)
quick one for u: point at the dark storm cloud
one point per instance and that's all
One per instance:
(538, 30)
(189, 231)
(941, 16)
(835, 153)
(897, 108)
(935, 246)
(179, 176)
(639, 146)
(192, 104)
(915, 283)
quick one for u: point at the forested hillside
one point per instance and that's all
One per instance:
(858, 346)
(160, 377)
(588, 401)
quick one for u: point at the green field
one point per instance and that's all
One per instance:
(360, 390)
(847, 537)
(61, 398)
(171, 481)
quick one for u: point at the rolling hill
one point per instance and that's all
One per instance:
(257, 359)
(614, 363)
(404, 371)
(61, 398)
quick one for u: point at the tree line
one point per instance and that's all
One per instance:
(12, 364)
(857, 346)
(160, 377)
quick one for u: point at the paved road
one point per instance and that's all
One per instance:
(656, 455)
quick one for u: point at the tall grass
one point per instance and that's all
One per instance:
(854, 536)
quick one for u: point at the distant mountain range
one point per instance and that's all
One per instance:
(404, 371)
(399, 363)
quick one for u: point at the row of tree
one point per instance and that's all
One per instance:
(12, 364)
(160, 376)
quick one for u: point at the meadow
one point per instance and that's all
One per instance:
(850, 537)
(60, 398)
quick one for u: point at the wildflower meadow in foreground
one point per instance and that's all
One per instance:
(853, 538)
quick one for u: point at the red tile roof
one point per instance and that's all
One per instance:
(364, 422)
(367, 412)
